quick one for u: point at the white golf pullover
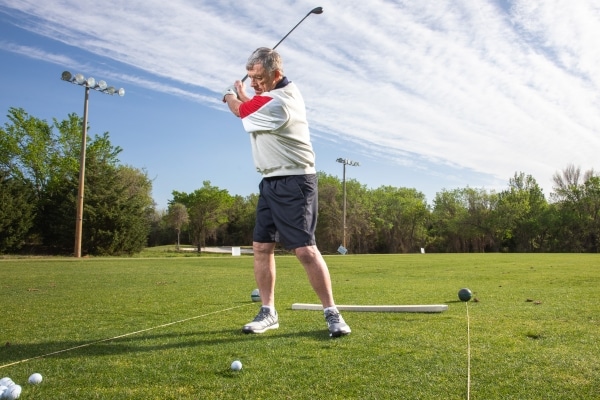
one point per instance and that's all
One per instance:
(279, 134)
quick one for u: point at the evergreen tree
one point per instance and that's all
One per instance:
(16, 214)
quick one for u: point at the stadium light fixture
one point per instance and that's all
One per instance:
(100, 86)
(345, 162)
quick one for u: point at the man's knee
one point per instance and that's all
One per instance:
(263, 248)
(307, 254)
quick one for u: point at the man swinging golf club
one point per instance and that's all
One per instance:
(275, 119)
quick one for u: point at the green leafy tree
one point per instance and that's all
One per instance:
(460, 221)
(242, 215)
(330, 220)
(27, 152)
(520, 215)
(160, 232)
(400, 219)
(330, 226)
(208, 208)
(26, 145)
(16, 214)
(360, 228)
(117, 209)
(177, 218)
(477, 229)
(592, 205)
(57, 202)
(117, 198)
(448, 212)
(578, 203)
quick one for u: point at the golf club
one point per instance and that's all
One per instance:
(316, 10)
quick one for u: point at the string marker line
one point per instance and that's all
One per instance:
(119, 336)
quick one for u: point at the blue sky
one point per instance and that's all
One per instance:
(424, 94)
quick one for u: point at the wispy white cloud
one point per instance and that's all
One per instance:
(37, 53)
(490, 86)
(65, 61)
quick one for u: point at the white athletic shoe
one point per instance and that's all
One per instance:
(263, 321)
(336, 324)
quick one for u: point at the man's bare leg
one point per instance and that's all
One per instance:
(320, 280)
(318, 273)
(264, 271)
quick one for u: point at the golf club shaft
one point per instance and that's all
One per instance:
(317, 10)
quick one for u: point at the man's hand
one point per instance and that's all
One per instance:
(228, 91)
(241, 91)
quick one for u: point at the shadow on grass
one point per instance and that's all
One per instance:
(16, 353)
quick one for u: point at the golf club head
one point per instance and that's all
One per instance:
(316, 10)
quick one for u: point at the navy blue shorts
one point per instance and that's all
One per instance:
(287, 211)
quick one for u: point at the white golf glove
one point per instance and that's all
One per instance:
(228, 91)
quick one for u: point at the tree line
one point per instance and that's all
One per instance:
(39, 177)
(39, 166)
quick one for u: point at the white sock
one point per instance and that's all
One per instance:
(271, 309)
(332, 308)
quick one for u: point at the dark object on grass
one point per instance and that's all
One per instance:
(465, 294)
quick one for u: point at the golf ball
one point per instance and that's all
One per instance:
(35, 379)
(236, 365)
(6, 381)
(465, 294)
(12, 392)
(255, 296)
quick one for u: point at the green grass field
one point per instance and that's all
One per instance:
(176, 324)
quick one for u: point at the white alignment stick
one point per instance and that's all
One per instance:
(430, 308)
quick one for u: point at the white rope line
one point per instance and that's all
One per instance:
(119, 336)
(468, 354)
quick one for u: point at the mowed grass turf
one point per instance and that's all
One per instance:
(169, 328)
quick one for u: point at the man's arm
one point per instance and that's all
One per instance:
(233, 101)
(241, 89)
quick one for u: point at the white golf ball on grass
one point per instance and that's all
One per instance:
(35, 379)
(6, 381)
(12, 392)
(236, 365)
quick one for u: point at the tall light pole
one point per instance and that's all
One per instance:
(345, 162)
(100, 86)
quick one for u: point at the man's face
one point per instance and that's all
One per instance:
(261, 81)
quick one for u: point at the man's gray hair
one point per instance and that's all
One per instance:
(268, 58)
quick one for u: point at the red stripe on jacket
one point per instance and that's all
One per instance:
(253, 105)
